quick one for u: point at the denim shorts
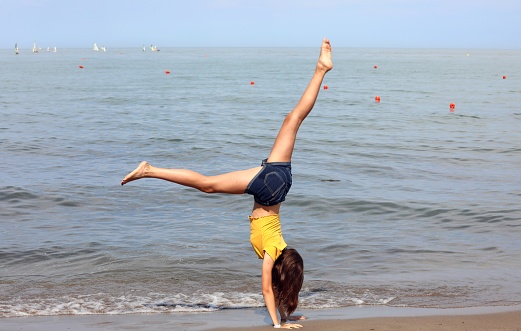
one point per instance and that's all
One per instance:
(271, 184)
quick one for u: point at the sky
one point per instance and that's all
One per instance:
(484, 24)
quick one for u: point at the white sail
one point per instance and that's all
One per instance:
(35, 49)
(95, 47)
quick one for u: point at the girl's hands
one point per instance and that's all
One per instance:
(291, 326)
(297, 318)
(293, 318)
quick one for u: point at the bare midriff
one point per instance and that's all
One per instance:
(260, 210)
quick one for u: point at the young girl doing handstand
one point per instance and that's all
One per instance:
(282, 267)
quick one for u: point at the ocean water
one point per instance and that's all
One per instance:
(399, 203)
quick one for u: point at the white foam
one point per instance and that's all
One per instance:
(129, 304)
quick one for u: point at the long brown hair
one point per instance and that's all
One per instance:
(287, 278)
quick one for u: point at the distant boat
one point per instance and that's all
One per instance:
(95, 48)
(154, 48)
(35, 50)
(16, 50)
(54, 49)
(144, 48)
(103, 49)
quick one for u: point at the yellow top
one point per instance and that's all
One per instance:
(266, 236)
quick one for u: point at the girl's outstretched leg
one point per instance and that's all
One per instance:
(285, 141)
(232, 183)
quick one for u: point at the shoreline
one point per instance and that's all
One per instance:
(352, 318)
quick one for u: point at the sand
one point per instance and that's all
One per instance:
(498, 321)
(354, 318)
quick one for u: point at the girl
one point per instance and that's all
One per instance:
(282, 267)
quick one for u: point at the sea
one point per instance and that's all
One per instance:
(403, 202)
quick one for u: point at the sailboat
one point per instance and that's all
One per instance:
(95, 47)
(103, 49)
(16, 50)
(35, 50)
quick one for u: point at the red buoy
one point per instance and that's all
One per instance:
(252, 83)
(377, 98)
(504, 77)
(326, 87)
(452, 107)
(167, 72)
(376, 67)
(81, 67)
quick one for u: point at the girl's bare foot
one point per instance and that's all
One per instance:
(324, 61)
(139, 172)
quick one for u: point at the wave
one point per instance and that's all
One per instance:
(15, 194)
(315, 294)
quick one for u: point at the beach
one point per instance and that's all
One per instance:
(353, 319)
(499, 321)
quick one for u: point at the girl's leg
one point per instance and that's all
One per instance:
(233, 182)
(285, 141)
(236, 182)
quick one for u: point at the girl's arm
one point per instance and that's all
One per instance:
(267, 289)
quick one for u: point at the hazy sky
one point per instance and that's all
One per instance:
(242, 23)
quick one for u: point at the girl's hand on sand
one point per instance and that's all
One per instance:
(297, 318)
(291, 326)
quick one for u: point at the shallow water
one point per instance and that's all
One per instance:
(397, 203)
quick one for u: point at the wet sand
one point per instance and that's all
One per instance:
(353, 318)
(499, 321)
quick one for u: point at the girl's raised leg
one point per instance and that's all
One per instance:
(237, 182)
(285, 141)
(232, 183)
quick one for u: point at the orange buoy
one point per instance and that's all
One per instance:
(252, 83)
(377, 98)
(504, 77)
(81, 67)
(326, 87)
(452, 107)
(167, 72)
